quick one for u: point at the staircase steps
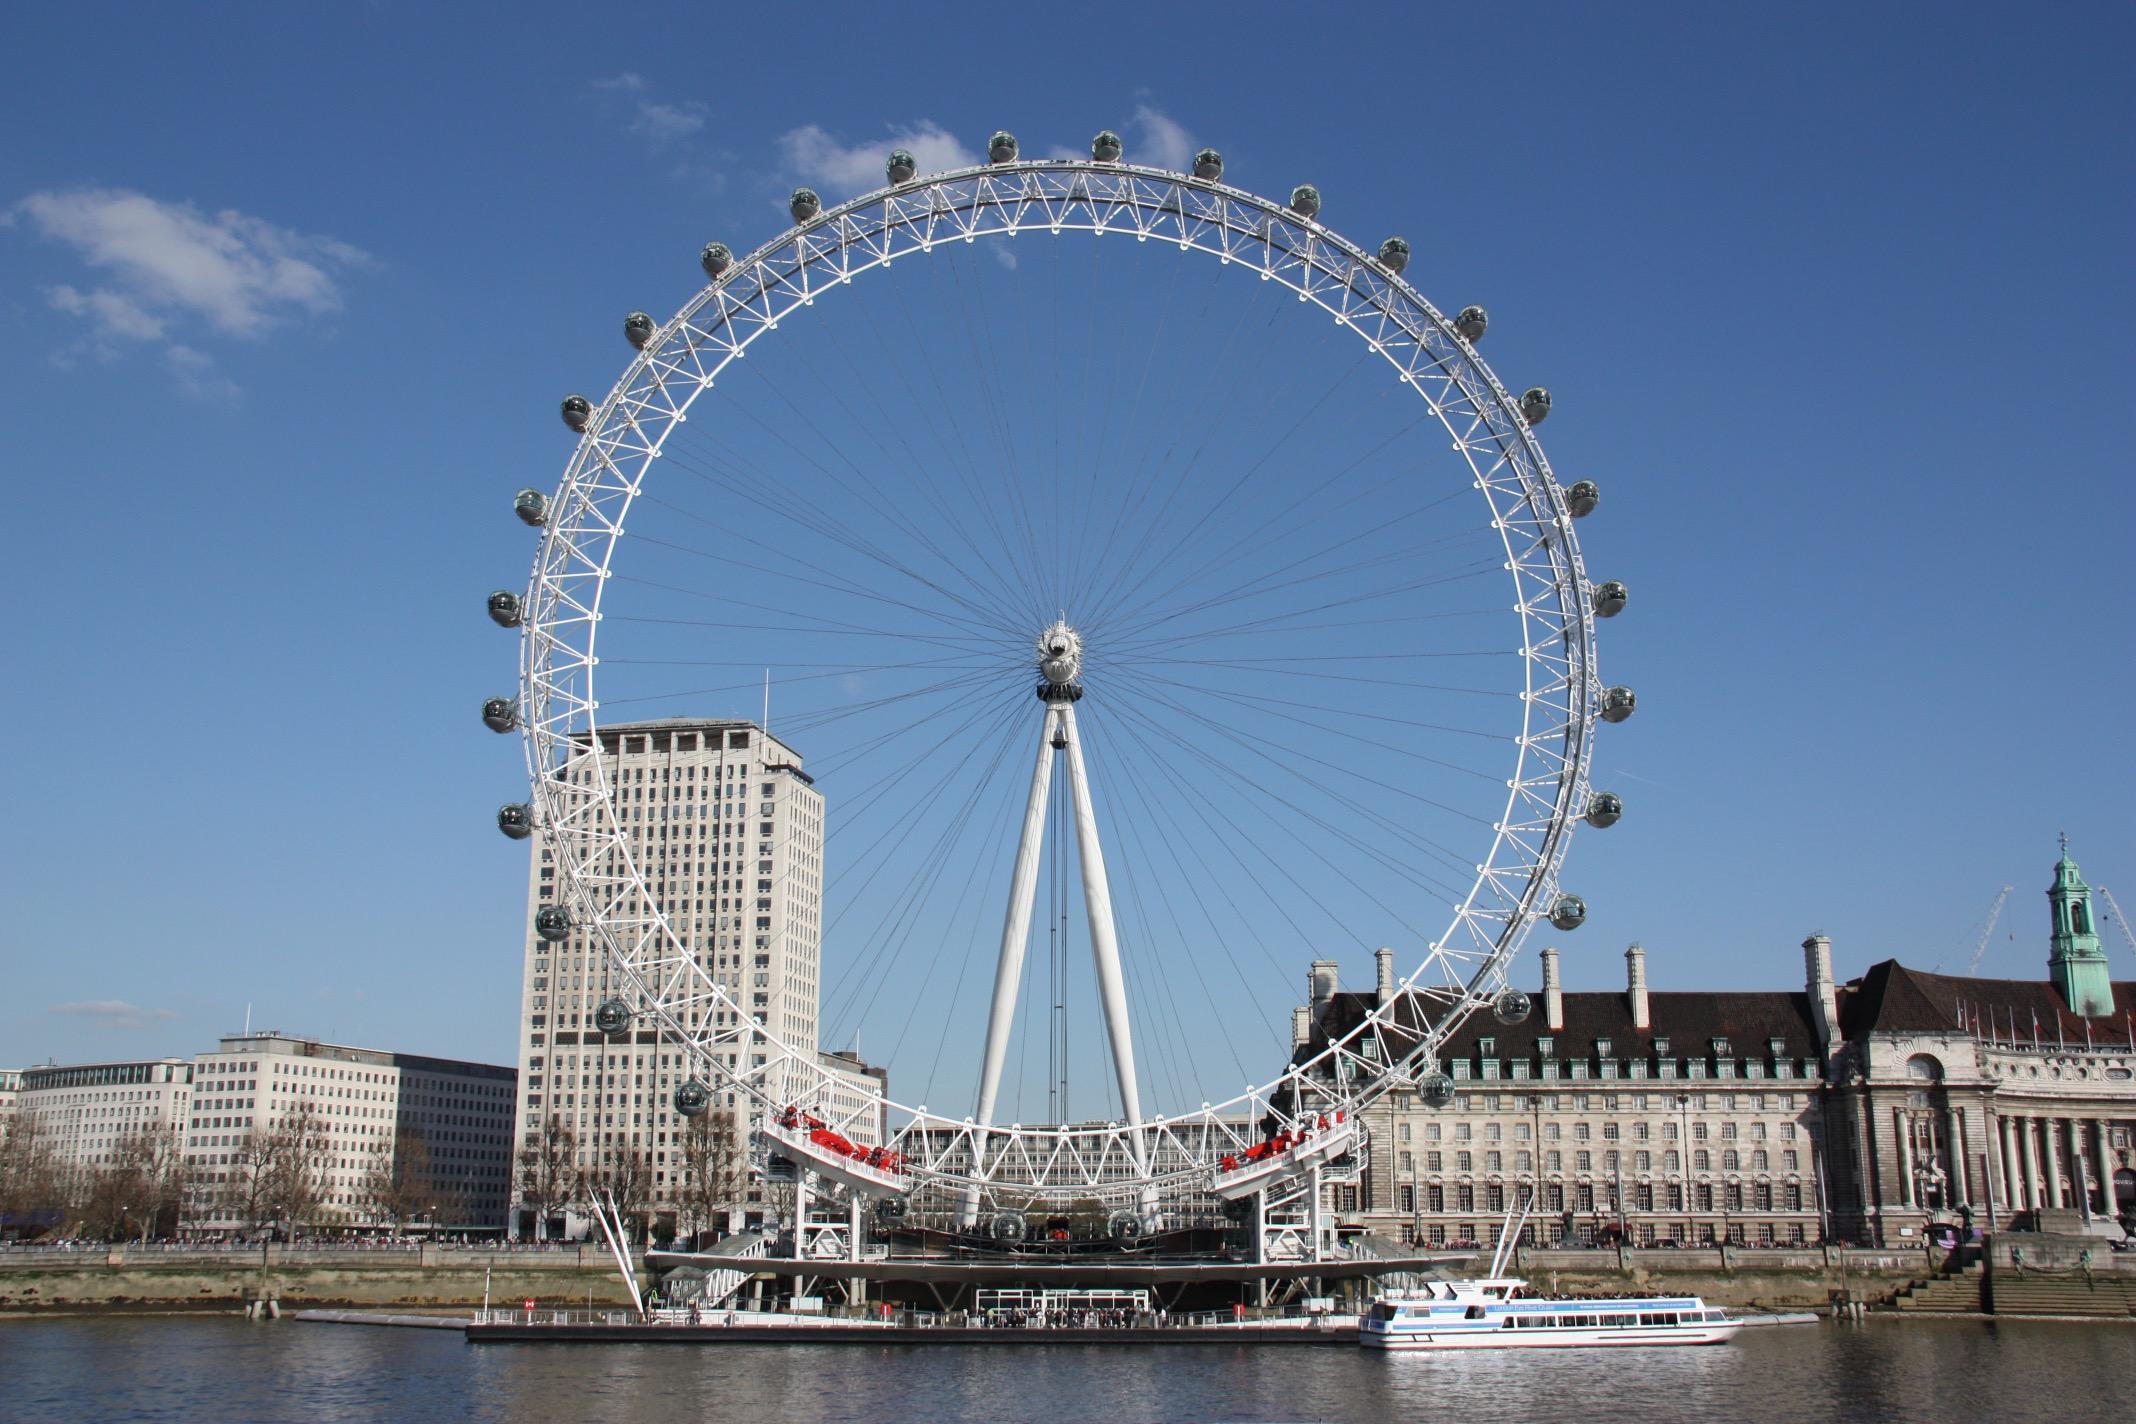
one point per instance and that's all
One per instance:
(2063, 1293)
(1953, 1293)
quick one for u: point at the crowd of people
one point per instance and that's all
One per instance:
(1066, 1319)
(1279, 1143)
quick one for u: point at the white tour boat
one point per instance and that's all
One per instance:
(1494, 1315)
(1491, 1313)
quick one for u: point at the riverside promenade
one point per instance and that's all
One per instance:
(431, 1278)
(157, 1277)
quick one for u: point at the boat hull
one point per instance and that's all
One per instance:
(1554, 1339)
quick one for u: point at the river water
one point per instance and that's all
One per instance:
(117, 1369)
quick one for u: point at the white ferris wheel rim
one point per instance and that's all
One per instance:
(625, 434)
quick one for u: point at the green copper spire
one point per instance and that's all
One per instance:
(2076, 961)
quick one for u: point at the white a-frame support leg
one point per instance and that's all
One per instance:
(1058, 727)
(1104, 944)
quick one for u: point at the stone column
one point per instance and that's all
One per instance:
(2108, 1204)
(1954, 1157)
(2053, 1164)
(1906, 1162)
(2013, 1192)
(2030, 1140)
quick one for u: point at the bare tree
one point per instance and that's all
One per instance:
(623, 1171)
(276, 1177)
(548, 1172)
(33, 1195)
(137, 1193)
(712, 1170)
(396, 1185)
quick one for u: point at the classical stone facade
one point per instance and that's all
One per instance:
(1876, 1110)
(1650, 1117)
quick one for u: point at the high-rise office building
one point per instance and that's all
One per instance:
(85, 1112)
(726, 829)
(364, 1102)
(445, 1124)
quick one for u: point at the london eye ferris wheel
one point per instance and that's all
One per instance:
(1154, 577)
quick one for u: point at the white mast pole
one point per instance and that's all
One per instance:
(1104, 945)
(1015, 935)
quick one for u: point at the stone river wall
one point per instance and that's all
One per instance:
(156, 1278)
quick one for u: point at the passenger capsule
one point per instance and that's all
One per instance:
(1535, 405)
(612, 1018)
(716, 259)
(577, 412)
(1008, 1227)
(1001, 148)
(552, 923)
(901, 166)
(1105, 148)
(692, 1098)
(1604, 808)
(1435, 1089)
(1123, 1226)
(532, 507)
(1511, 1006)
(1618, 703)
(1472, 323)
(1581, 499)
(1209, 164)
(1394, 254)
(500, 714)
(504, 608)
(516, 820)
(1568, 912)
(1305, 201)
(638, 329)
(1610, 598)
(804, 204)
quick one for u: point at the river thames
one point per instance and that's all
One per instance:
(116, 1369)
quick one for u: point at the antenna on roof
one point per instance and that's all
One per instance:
(767, 702)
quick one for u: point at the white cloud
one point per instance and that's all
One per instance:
(115, 313)
(239, 273)
(1161, 141)
(820, 160)
(170, 264)
(626, 83)
(115, 1013)
(662, 122)
(199, 376)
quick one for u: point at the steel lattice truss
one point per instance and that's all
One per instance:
(1515, 882)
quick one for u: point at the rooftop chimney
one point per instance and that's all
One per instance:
(1635, 986)
(1320, 983)
(1824, 998)
(1383, 959)
(1553, 993)
(1301, 1026)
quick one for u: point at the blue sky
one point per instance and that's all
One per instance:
(1832, 301)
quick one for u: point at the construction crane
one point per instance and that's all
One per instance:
(2121, 920)
(1987, 930)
